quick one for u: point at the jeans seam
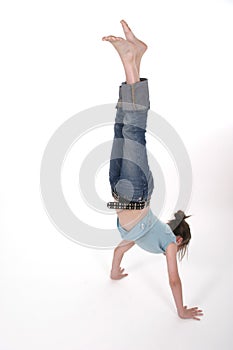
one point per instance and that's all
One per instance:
(133, 96)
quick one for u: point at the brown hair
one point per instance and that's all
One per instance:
(181, 228)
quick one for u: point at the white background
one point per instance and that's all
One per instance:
(55, 294)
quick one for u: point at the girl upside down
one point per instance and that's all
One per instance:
(131, 179)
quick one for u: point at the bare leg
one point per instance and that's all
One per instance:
(141, 46)
(130, 50)
(127, 52)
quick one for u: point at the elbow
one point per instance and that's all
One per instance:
(119, 250)
(116, 250)
(174, 281)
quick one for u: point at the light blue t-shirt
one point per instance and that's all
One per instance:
(150, 234)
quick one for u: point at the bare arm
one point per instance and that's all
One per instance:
(174, 278)
(116, 272)
(128, 219)
(176, 286)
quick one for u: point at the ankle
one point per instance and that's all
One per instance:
(131, 73)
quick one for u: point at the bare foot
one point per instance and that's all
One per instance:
(126, 49)
(141, 46)
(128, 53)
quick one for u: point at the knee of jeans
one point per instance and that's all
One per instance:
(134, 133)
(118, 129)
(125, 189)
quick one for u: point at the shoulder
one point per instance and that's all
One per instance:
(168, 239)
(171, 249)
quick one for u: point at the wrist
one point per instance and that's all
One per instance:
(115, 269)
(114, 273)
(180, 311)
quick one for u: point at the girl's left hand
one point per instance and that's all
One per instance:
(118, 274)
(193, 312)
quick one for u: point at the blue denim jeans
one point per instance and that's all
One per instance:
(129, 174)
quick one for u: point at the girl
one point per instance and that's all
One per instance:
(131, 179)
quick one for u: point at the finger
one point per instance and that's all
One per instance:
(124, 275)
(197, 314)
(194, 308)
(193, 312)
(196, 318)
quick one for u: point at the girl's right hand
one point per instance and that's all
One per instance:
(190, 313)
(117, 274)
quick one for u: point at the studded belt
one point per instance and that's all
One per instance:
(122, 203)
(128, 206)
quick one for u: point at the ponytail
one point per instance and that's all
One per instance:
(181, 228)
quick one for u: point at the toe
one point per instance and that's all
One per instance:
(124, 22)
(125, 26)
(109, 38)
